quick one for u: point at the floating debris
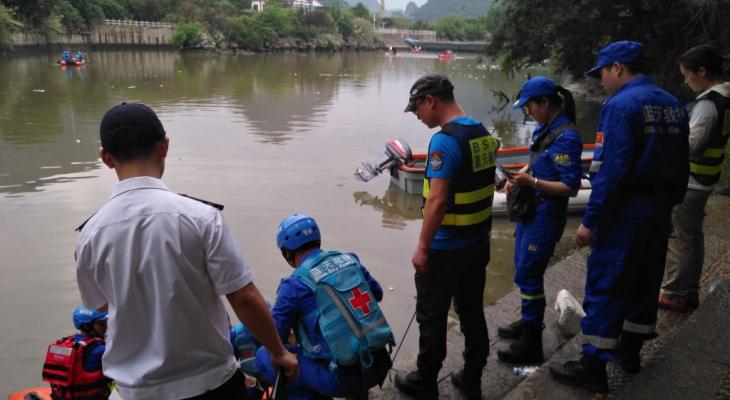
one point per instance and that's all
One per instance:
(131, 87)
(78, 140)
(39, 90)
(391, 288)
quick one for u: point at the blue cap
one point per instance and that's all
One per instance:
(537, 86)
(624, 51)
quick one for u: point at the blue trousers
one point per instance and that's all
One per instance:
(624, 274)
(534, 245)
(314, 376)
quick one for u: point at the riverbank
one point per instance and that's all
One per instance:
(498, 380)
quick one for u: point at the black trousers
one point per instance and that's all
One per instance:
(232, 389)
(459, 274)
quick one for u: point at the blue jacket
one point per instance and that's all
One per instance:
(294, 299)
(560, 161)
(92, 356)
(641, 156)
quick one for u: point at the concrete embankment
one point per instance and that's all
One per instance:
(689, 359)
(103, 36)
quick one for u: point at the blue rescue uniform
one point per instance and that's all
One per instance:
(639, 171)
(535, 240)
(293, 301)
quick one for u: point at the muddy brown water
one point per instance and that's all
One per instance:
(265, 135)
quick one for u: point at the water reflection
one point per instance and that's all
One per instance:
(396, 205)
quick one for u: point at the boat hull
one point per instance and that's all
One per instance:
(409, 178)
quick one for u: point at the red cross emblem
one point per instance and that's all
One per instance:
(360, 300)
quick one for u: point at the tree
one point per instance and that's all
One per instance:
(360, 11)
(572, 37)
(8, 26)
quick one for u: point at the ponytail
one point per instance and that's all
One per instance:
(568, 102)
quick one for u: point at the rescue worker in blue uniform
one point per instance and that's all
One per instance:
(299, 239)
(554, 172)
(639, 172)
(453, 247)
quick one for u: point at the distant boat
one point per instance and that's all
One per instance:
(470, 47)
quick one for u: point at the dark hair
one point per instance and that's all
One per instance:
(446, 96)
(635, 67)
(703, 56)
(132, 147)
(562, 99)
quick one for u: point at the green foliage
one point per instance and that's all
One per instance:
(71, 18)
(572, 36)
(453, 27)
(8, 26)
(31, 13)
(187, 34)
(360, 11)
(437, 9)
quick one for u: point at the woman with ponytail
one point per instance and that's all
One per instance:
(553, 174)
(702, 68)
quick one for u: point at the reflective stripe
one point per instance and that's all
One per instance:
(466, 197)
(638, 328)
(601, 343)
(705, 169)
(715, 153)
(474, 195)
(533, 296)
(595, 166)
(467, 219)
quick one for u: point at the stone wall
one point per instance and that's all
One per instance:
(103, 35)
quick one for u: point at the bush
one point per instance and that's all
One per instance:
(187, 34)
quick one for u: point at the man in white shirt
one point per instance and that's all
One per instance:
(160, 263)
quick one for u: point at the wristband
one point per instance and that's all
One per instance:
(534, 183)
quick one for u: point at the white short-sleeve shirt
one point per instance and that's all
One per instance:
(162, 262)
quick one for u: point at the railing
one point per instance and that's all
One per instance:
(149, 24)
(405, 32)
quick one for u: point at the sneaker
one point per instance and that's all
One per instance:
(469, 386)
(416, 385)
(693, 300)
(587, 373)
(673, 302)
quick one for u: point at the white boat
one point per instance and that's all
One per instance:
(409, 177)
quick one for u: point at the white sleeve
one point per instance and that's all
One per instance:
(91, 295)
(226, 267)
(702, 120)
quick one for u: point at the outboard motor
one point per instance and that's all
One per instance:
(397, 152)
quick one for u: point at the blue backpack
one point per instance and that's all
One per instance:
(350, 319)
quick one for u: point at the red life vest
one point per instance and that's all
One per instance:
(64, 370)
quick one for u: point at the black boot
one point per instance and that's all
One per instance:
(526, 350)
(628, 352)
(469, 383)
(589, 373)
(511, 331)
(417, 385)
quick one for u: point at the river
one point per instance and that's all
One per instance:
(266, 135)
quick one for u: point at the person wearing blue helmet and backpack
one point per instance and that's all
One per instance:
(330, 302)
(73, 363)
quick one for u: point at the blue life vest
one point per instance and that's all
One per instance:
(349, 317)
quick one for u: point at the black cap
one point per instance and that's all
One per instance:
(129, 126)
(429, 84)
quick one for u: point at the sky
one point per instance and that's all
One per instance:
(401, 4)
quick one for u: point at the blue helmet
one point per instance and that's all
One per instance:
(83, 315)
(297, 230)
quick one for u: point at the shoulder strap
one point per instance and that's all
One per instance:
(210, 203)
(546, 139)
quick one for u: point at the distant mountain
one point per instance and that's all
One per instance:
(372, 5)
(411, 9)
(436, 9)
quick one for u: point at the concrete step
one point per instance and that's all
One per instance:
(695, 362)
(498, 379)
